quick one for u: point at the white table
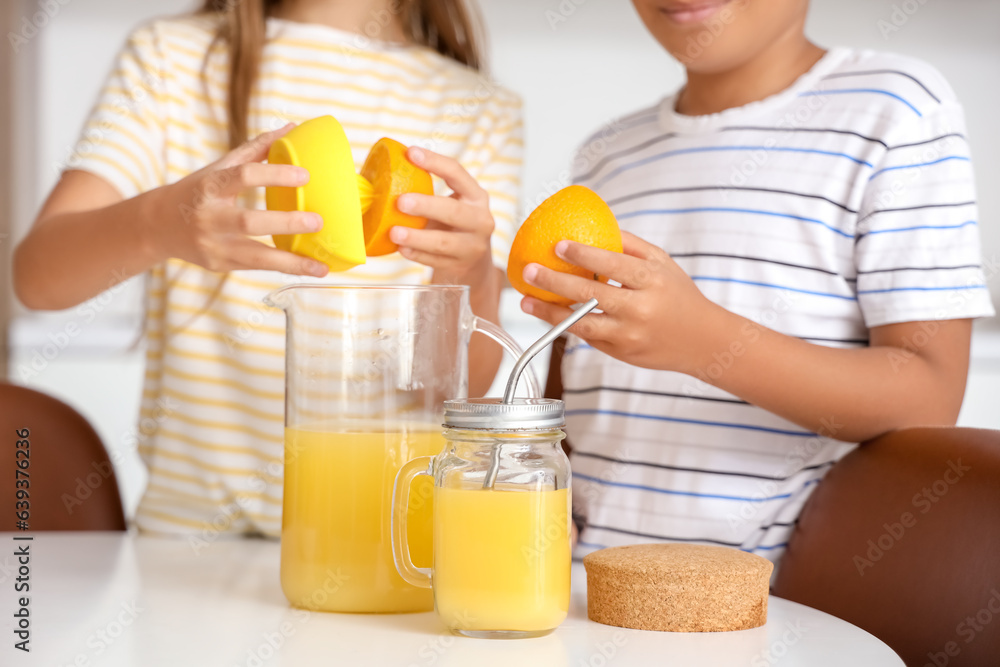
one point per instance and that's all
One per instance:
(114, 599)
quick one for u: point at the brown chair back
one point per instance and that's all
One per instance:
(50, 452)
(902, 538)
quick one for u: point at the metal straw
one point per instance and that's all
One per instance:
(522, 363)
(542, 343)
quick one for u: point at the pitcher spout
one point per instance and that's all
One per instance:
(280, 297)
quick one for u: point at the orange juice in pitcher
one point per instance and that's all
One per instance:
(335, 550)
(367, 371)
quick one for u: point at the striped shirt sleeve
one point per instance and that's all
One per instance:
(917, 249)
(124, 137)
(495, 161)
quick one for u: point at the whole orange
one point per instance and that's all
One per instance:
(574, 213)
(391, 174)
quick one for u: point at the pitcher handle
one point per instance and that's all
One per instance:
(508, 343)
(411, 574)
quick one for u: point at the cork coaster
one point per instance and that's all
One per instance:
(677, 588)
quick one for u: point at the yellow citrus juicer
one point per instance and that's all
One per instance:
(353, 228)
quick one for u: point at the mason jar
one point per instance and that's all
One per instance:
(501, 518)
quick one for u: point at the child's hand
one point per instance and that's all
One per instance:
(456, 241)
(655, 319)
(198, 218)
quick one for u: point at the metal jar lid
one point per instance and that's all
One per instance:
(494, 414)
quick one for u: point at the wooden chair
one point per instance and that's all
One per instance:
(65, 470)
(902, 538)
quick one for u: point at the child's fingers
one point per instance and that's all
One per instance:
(250, 254)
(255, 149)
(452, 212)
(573, 287)
(624, 269)
(433, 260)
(433, 241)
(453, 173)
(238, 178)
(548, 312)
(637, 247)
(265, 223)
(595, 326)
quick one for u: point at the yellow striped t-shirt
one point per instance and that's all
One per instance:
(212, 408)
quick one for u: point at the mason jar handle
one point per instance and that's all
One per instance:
(411, 574)
(508, 343)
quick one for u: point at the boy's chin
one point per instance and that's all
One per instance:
(706, 60)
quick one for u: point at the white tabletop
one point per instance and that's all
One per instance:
(114, 599)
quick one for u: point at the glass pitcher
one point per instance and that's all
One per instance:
(501, 519)
(367, 370)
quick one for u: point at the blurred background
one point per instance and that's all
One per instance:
(576, 64)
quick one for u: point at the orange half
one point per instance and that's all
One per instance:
(391, 174)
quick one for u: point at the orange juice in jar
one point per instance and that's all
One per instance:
(503, 558)
(501, 561)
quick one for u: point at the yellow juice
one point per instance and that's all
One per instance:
(501, 559)
(335, 548)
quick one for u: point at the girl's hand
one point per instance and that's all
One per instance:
(198, 218)
(657, 317)
(456, 241)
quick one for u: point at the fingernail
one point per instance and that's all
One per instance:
(530, 273)
(561, 249)
(527, 307)
(416, 155)
(397, 234)
(314, 221)
(318, 270)
(405, 203)
(301, 175)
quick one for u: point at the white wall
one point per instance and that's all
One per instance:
(573, 74)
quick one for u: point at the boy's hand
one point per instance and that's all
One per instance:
(456, 241)
(657, 317)
(198, 218)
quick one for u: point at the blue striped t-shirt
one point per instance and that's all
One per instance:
(843, 203)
